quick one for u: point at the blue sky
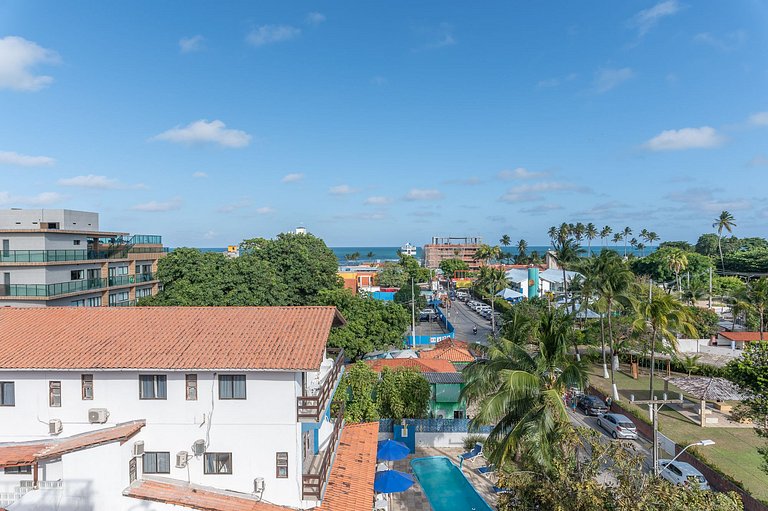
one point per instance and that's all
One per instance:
(380, 123)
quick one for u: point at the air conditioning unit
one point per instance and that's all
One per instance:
(181, 459)
(54, 426)
(138, 448)
(198, 448)
(97, 415)
(258, 485)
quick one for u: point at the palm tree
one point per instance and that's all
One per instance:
(506, 241)
(724, 221)
(604, 233)
(487, 253)
(641, 248)
(756, 295)
(535, 258)
(652, 236)
(578, 231)
(617, 237)
(690, 363)
(591, 233)
(520, 390)
(695, 291)
(552, 233)
(522, 248)
(370, 255)
(567, 251)
(492, 280)
(626, 233)
(662, 317)
(677, 261)
(644, 234)
(613, 285)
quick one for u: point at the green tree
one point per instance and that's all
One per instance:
(506, 241)
(724, 222)
(590, 231)
(487, 253)
(406, 294)
(392, 275)
(696, 291)
(450, 266)
(520, 391)
(604, 233)
(414, 270)
(402, 393)
(491, 281)
(677, 262)
(625, 234)
(656, 265)
(357, 389)
(690, 363)
(522, 249)
(682, 245)
(756, 295)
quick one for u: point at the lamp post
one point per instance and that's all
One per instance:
(702, 443)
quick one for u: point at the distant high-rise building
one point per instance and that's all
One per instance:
(443, 248)
(59, 257)
(301, 230)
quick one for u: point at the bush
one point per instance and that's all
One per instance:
(471, 440)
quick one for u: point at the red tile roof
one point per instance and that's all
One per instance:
(26, 453)
(743, 336)
(452, 354)
(181, 493)
(350, 485)
(447, 343)
(255, 338)
(425, 366)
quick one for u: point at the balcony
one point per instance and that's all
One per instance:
(319, 467)
(313, 401)
(47, 290)
(124, 303)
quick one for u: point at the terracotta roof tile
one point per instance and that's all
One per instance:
(181, 493)
(743, 336)
(447, 343)
(453, 354)
(26, 453)
(423, 365)
(350, 485)
(165, 337)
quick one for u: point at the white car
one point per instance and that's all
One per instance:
(682, 474)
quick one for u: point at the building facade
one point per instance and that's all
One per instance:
(452, 248)
(230, 398)
(59, 257)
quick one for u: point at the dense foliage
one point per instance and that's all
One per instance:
(657, 265)
(409, 293)
(449, 266)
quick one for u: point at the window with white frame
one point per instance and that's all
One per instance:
(93, 302)
(7, 393)
(54, 394)
(141, 293)
(153, 386)
(77, 303)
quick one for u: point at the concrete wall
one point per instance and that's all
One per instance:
(32, 218)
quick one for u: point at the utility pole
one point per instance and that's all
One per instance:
(650, 290)
(655, 405)
(710, 287)
(413, 317)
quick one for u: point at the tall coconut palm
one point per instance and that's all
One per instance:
(652, 236)
(626, 233)
(694, 292)
(506, 241)
(487, 253)
(520, 391)
(724, 222)
(492, 280)
(578, 231)
(591, 233)
(644, 234)
(522, 249)
(567, 251)
(641, 248)
(756, 295)
(552, 233)
(677, 261)
(617, 237)
(661, 319)
(604, 233)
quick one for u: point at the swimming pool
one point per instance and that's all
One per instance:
(445, 486)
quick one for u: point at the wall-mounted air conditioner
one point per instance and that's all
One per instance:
(198, 448)
(258, 485)
(138, 448)
(98, 415)
(181, 459)
(54, 427)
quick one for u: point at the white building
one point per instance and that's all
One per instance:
(59, 257)
(103, 406)
(550, 280)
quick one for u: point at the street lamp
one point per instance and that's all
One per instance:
(702, 443)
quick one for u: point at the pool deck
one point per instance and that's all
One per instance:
(414, 498)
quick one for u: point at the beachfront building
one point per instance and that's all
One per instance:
(60, 257)
(359, 278)
(214, 408)
(442, 248)
(739, 340)
(543, 282)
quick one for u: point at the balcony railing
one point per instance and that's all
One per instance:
(312, 407)
(52, 256)
(145, 239)
(145, 277)
(124, 303)
(312, 484)
(51, 289)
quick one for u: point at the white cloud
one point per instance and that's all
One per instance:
(707, 200)
(685, 138)
(759, 119)
(534, 191)
(191, 44)
(646, 19)
(159, 206)
(98, 182)
(199, 175)
(314, 18)
(423, 194)
(292, 178)
(41, 199)
(18, 58)
(24, 160)
(378, 201)
(264, 210)
(269, 34)
(726, 42)
(202, 131)
(608, 78)
(518, 173)
(341, 190)
(541, 208)
(379, 81)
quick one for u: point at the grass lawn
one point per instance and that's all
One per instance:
(735, 449)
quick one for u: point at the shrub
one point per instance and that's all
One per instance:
(471, 440)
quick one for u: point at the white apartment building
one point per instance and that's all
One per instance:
(103, 406)
(59, 257)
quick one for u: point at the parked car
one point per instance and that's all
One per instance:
(681, 473)
(592, 405)
(618, 426)
(426, 314)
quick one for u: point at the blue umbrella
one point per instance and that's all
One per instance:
(392, 481)
(390, 450)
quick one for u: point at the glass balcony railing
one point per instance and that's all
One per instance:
(145, 277)
(124, 303)
(51, 289)
(123, 280)
(42, 256)
(145, 239)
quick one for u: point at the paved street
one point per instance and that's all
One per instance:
(463, 319)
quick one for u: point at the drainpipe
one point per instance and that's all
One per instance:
(34, 476)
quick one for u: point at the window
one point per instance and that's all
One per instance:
(23, 469)
(94, 302)
(152, 386)
(54, 393)
(75, 242)
(218, 463)
(120, 297)
(7, 393)
(141, 293)
(232, 386)
(76, 275)
(114, 271)
(191, 387)
(156, 463)
(281, 468)
(86, 382)
(458, 414)
(77, 303)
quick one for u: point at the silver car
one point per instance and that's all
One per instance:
(618, 426)
(681, 473)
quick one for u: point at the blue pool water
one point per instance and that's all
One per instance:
(445, 486)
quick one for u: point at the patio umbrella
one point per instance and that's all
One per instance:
(390, 450)
(392, 481)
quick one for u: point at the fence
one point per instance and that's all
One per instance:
(434, 426)
(422, 340)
